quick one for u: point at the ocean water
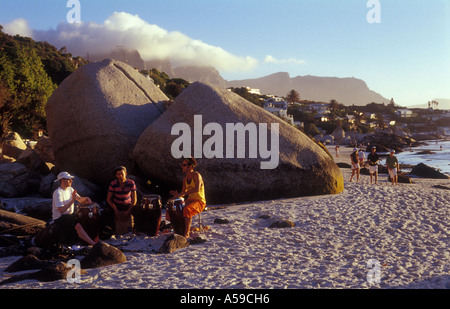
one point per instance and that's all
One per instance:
(439, 159)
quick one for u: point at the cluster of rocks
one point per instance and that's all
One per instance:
(100, 255)
(384, 141)
(27, 177)
(107, 114)
(23, 166)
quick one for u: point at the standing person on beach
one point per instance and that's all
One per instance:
(122, 197)
(355, 164)
(337, 151)
(63, 208)
(361, 157)
(194, 188)
(373, 158)
(393, 167)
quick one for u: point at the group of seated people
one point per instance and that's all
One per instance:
(122, 198)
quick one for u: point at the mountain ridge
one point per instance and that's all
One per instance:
(345, 90)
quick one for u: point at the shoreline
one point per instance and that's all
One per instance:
(345, 152)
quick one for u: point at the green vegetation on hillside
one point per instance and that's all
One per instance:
(29, 73)
(171, 87)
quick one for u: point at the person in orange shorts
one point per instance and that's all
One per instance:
(194, 188)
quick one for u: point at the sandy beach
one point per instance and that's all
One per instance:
(401, 233)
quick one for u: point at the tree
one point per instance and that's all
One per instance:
(333, 104)
(311, 129)
(336, 109)
(433, 104)
(392, 103)
(175, 86)
(5, 116)
(28, 87)
(293, 97)
(251, 97)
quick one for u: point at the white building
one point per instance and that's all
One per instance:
(253, 91)
(279, 108)
(320, 108)
(404, 113)
(276, 102)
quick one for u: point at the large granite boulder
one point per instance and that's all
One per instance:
(96, 115)
(299, 168)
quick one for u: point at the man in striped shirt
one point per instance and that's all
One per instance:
(122, 197)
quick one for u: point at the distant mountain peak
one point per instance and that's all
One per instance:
(347, 90)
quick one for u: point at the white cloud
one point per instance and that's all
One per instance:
(132, 32)
(18, 26)
(271, 59)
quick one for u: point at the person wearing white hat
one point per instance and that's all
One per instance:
(361, 157)
(63, 204)
(393, 167)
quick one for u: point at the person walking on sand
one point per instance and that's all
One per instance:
(393, 167)
(122, 197)
(337, 151)
(355, 164)
(194, 188)
(372, 159)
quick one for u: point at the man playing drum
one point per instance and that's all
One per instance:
(122, 197)
(194, 188)
(64, 208)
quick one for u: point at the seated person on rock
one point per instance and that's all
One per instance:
(63, 204)
(122, 197)
(194, 188)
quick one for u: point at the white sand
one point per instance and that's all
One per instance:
(404, 228)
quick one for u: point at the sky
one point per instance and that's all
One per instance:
(400, 48)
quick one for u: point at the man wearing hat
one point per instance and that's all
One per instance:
(373, 159)
(393, 167)
(64, 207)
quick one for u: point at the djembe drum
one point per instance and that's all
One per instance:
(89, 218)
(147, 217)
(175, 210)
